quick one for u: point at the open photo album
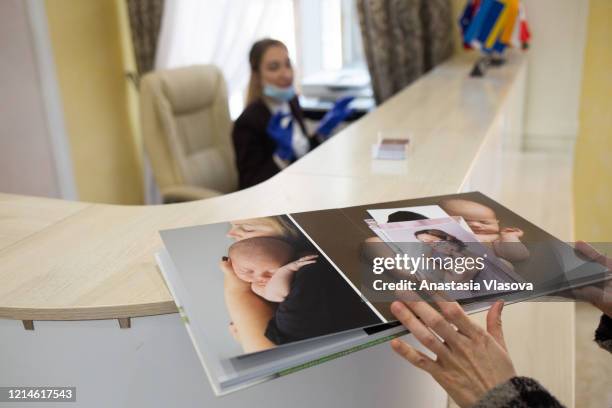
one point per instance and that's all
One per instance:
(265, 297)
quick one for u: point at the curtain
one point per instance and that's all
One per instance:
(145, 20)
(403, 39)
(222, 33)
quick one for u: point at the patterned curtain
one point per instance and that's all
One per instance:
(403, 39)
(145, 23)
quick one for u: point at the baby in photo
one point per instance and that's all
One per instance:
(506, 242)
(269, 264)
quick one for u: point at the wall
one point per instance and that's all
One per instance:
(558, 30)
(593, 167)
(27, 164)
(87, 47)
(153, 364)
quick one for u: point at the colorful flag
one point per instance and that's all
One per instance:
(524, 33)
(494, 35)
(470, 10)
(491, 25)
(475, 26)
(509, 26)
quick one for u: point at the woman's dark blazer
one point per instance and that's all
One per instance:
(254, 148)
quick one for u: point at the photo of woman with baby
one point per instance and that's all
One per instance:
(504, 242)
(445, 245)
(278, 288)
(518, 251)
(482, 221)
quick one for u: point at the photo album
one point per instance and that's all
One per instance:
(265, 297)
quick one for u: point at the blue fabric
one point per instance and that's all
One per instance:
(466, 16)
(490, 19)
(283, 136)
(338, 113)
(475, 27)
(499, 46)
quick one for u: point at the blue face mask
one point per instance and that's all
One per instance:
(280, 94)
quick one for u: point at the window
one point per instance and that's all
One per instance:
(221, 33)
(321, 35)
(328, 36)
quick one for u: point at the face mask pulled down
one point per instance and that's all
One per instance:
(278, 93)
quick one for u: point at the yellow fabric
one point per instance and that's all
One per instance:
(498, 27)
(513, 11)
(593, 166)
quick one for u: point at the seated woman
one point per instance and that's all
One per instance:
(271, 132)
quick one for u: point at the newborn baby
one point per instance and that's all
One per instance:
(483, 221)
(268, 264)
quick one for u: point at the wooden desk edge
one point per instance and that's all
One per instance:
(89, 313)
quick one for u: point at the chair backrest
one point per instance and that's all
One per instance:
(186, 128)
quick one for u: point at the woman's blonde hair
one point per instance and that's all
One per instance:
(256, 54)
(283, 227)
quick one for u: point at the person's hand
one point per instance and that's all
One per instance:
(280, 129)
(511, 233)
(230, 280)
(303, 261)
(248, 312)
(599, 296)
(469, 360)
(338, 113)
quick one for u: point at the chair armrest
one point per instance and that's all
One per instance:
(180, 193)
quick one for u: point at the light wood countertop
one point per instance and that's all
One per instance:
(63, 260)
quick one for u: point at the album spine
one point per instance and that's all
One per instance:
(340, 354)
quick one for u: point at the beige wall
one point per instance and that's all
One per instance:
(593, 169)
(88, 49)
(27, 164)
(554, 75)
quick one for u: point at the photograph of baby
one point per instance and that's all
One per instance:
(265, 282)
(472, 216)
(267, 264)
(280, 289)
(485, 224)
(421, 212)
(524, 251)
(444, 238)
(481, 227)
(260, 283)
(518, 249)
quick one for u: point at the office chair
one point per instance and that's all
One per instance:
(186, 131)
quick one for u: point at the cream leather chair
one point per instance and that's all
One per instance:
(186, 129)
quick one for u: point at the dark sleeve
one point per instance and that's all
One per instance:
(518, 392)
(303, 314)
(603, 334)
(320, 302)
(253, 149)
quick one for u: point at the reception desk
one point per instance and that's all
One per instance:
(73, 273)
